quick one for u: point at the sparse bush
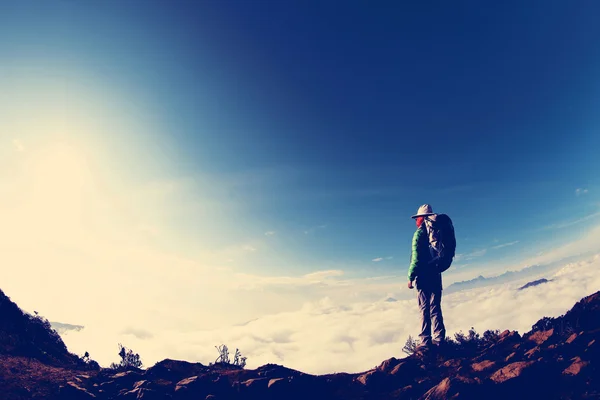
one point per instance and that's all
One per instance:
(560, 325)
(473, 341)
(223, 358)
(543, 324)
(223, 354)
(491, 337)
(91, 364)
(469, 340)
(238, 359)
(128, 359)
(410, 346)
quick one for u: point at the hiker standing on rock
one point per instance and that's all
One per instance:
(433, 249)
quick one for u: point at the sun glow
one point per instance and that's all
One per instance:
(60, 184)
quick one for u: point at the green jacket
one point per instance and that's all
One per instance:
(420, 255)
(425, 273)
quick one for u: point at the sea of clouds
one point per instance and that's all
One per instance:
(329, 335)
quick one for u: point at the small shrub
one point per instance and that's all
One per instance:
(491, 337)
(543, 324)
(129, 359)
(223, 358)
(410, 346)
(223, 354)
(473, 341)
(89, 363)
(238, 359)
(561, 325)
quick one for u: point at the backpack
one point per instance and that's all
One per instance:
(442, 241)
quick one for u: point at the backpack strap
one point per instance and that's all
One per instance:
(433, 240)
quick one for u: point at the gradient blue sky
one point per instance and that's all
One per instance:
(324, 124)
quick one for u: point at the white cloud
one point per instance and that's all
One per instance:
(328, 335)
(270, 233)
(379, 259)
(566, 224)
(500, 246)
(580, 191)
(482, 252)
(320, 276)
(585, 244)
(317, 278)
(477, 253)
(249, 248)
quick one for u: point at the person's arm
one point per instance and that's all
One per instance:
(414, 258)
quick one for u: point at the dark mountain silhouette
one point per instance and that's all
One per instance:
(534, 283)
(557, 359)
(26, 335)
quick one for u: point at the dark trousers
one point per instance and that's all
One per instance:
(431, 312)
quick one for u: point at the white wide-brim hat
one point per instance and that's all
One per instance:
(424, 211)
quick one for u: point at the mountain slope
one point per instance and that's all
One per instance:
(31, 336)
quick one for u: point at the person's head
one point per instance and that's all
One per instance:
(424, 211)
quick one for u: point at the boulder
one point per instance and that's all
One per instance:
(571, 338)
(198, 387)
(388, 365)
(452, 388)
(174, 370)
(143, 394)
(440, 391)
(504, 334)
(576, 367)
(256, 383)
(277, 383)
(540, 337)
(368, 377)
(185, 382)
(510, 371)
(533, 353)
(452, 363)
(75, 392)
(483, 365)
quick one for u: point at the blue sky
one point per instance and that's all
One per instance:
(264, 158)
(325, 125)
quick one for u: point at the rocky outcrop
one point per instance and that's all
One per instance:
(558, 358)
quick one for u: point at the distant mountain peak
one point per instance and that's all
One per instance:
(534, 283)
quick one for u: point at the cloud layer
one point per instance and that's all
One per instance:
(329, 336)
